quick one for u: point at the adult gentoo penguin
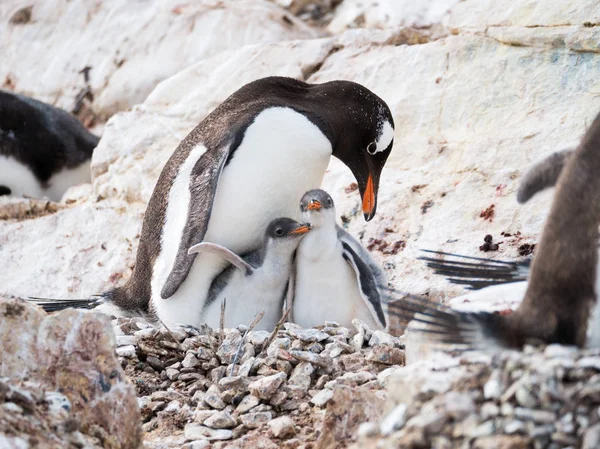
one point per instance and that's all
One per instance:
(43, 150)
(247, 163)
(255, 283)
(560, 302)
(336, 278)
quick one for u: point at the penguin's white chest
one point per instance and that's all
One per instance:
(281, 156)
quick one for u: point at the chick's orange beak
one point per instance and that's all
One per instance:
(302, 229)
(368, 204)
(314, 205)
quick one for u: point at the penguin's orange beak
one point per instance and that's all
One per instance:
(314, 205)
(301, 229)
(368, 203)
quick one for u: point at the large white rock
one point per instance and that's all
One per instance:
(471, 112)
(130, 45)
(388, 13)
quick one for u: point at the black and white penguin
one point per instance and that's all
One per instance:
(43, 150)
(255, 283)
(336, 277)
(560, 300)
(247, 163)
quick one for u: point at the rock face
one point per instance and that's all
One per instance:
(63, 379)
(472, 108)
(128, 47)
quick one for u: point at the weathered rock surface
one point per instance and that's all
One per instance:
(129, 47)
(471, 110)
(60, 381)
(474, 102)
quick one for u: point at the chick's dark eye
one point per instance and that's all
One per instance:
(329, 202)
(279, 231)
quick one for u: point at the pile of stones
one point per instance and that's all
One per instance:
(539, 398)
(203, 386)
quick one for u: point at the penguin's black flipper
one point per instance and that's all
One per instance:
(366, 282)
(203, 187)
(228, 255)
(477, 274)
(55, 305)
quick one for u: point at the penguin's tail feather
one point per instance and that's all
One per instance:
(475, 272)
(444, 326)
(56, 305)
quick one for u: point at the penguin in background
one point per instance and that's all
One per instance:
(560, 301)
(248, 162)
(43, 150)
(256, 282)
(336, 277)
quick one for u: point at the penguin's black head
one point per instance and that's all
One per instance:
(283, 228)
(316, 200)
(364, 137)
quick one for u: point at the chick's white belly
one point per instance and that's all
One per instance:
(245, 298)
(328, 291)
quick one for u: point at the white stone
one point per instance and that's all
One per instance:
(265, 388)
(221, 420)
(126, 340)
(126, 351)
(395, 420)
(388, 13)
(282, 427)
(197, 432)
(322, 397)
(382, 338)
(198, 444)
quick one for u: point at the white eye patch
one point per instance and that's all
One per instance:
(383, 140)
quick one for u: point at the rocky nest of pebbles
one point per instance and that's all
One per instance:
(236, 388)
(539, 398)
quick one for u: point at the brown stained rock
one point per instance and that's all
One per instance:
(72, 352)
(488, 213)
(348, 408)
(12, 208)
